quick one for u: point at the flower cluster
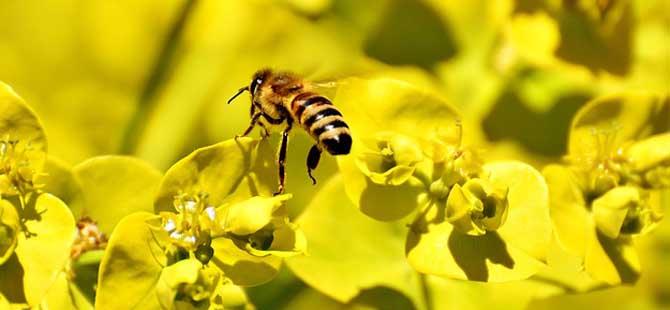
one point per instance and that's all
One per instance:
(602, 198)
(209, 236)
(458, 199)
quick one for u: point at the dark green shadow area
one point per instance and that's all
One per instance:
(11, 280)
(612, 247)
(472, 252)
(541, 133)
(86, 278)
(584, 42)
(411, 33)
(590, 42)
(380, 297)
(277, 293)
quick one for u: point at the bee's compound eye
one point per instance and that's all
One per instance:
(254, 84)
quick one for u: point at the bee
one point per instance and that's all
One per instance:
(284, 97)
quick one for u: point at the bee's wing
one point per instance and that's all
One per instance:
(327, 79)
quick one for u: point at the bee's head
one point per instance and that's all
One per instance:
(257, 80)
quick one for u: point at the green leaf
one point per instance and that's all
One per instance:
(115, 186)
(9, 230)
(18, 121)
(132, 257)
(607, 122)
(350, 253)
(44, 254)
(242, 166)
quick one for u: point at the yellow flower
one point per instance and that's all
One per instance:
(477, 207)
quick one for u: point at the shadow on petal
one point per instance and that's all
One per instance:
(615, 248)
(246, 272)
(11, 286)
(471, 253)
(380, 297)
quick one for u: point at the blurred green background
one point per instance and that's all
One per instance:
(150, 78)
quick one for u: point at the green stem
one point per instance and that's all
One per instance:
(159, 74)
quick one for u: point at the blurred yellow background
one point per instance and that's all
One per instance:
(151, 78)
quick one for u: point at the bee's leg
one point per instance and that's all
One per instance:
(266, 132)
(254, 120)
(274, 121)
(313, 161)
(282, 157)
(252, 110)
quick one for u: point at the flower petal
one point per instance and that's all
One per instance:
(628, 116)
(610, 209)
(650, 152)
(241, 168)
(132, 256)
(571, 220)
(18, 121)
(115, 186)
(613, 261)
(45, 253)
(528, 225)
(241, 267)
(446, 252)
(249, 216)
(349, 252)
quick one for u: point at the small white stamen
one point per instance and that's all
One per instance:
(211, 212)
(190, 206)
(190, 239)
(170, 225)
(176, 235)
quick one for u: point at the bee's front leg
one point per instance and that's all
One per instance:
(282, 157)
(254, 120)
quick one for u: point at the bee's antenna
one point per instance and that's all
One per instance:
(238, 93)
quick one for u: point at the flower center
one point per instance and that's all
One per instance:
(191, 227)
(17, 167)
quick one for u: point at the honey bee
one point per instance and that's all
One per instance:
(279, 97)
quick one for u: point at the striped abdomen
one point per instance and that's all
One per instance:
(323, 121)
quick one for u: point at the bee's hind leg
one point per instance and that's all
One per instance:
(282, 157)
(313, 161)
